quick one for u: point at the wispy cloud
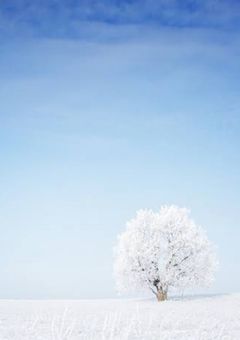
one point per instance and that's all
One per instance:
(79, 18)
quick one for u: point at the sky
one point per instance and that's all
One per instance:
(108, 107)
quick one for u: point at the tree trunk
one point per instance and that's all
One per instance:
(161, 295)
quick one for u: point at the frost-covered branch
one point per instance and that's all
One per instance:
(162, 250)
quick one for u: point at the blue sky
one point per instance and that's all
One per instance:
(108, 107)
(71, 19)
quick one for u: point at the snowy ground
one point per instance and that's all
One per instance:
(199, 318)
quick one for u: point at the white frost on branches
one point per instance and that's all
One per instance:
(163, 250)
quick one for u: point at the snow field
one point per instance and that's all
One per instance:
(200, 318)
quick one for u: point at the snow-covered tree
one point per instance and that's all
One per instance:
(163, 250)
